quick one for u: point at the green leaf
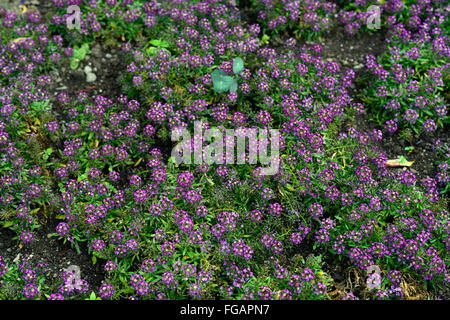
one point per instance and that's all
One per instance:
(110, 186)
(238, 65)
(234, 86)
(85, 47)
(209, 180)
(403, 160)
(79, 54)
(82, 177)
(151, 50)
(155, 42)
(221, 81)
(7, 224)
(74, 64)
(265, 39)
(159, 43)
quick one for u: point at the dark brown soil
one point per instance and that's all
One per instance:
(56, 255)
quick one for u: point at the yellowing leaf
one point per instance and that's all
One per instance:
(137, 162)
(19, 39)
(402, 162)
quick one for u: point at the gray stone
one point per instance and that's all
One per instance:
(91, 77)
(87, 69)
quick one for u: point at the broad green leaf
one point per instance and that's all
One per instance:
(221, 81)
(234, 86)
(79, 54)
(159, 43)
(155, 43)
(238, 65)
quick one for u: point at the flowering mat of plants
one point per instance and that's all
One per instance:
(94, 206)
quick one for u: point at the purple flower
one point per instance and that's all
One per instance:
(390, 126)
(275, 209)
(63, 229)
(31, 291)
(26, 237)
(429, 125)
(111, 266)
(56, 296)
(98, 245)
(106, 290)
(315, 210)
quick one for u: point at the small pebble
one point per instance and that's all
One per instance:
(87, 69)
(91, 77)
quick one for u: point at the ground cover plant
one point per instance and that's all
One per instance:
(94, 203)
